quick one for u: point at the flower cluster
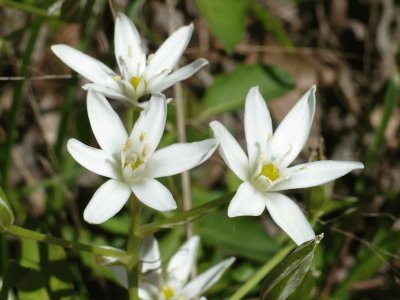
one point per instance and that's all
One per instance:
(172, 284)
(133, 163)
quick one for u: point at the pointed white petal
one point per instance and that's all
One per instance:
(288, 216)
(178, 158)
(292, 133)
(181, 263)
(151, 122)
(117, 94)
(150, 255)
(205, 280)
(258, 124)
(95, 160)
(146, 290)
(231, 151)
(129, 51)
(315, 173)
(157, 86)
(107, 201)
(246, 202)
(154, 194)
(120, 274)
(107, 127)
(170, 51)
(83, 64)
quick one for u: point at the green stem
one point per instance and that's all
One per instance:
(133, 250)
(182, 217)
(27, 8)
(40, 237)
(16, 103)
(261, 273)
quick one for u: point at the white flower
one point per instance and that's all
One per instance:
(132, 162)
(138, 76)
(265, 171)
(172, 285)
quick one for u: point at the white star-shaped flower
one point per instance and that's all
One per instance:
(173, 283)
(132, 162)
(138, 76)
(265, 170)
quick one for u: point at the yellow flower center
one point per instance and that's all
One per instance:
(168, 292)
(135, 81)
(270, 171)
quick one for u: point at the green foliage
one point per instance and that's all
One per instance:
(391, 102)
(270, 23)
(226, 19)
(288, 274)
(229, 234)
(228, 91)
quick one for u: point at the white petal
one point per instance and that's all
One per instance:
(85, 65)
(117, 94)
(128, 46)
(180, 265)
(178, 158)
(315, 173)
(95, 160)
(231, 151)
(150, 255)
(292, 133)
(107, 127)
(107, 201)
(206, 279)
(151, 122)
(154, 194)
(258, 124)
(170, 51)
(288, 216)
(246, 202)
(120, 274)
(181, 74)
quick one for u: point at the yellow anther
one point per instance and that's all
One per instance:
(168, 292)
(142, 136)
(117, 78)
(146, 150)
(135, 81)
(136, 164)
(270, 171)
(127, 145)
(130, 52)
(150, 57)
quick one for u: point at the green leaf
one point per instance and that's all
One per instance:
(51, 270)
(271, 23)
(229, 234)
(226, 19)
(6, 214)
(13, 276)
(288, 274)
(228, 91)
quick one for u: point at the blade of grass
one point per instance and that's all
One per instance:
(261, 273)
(391, 101)
(27, 8)
(16, 103)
